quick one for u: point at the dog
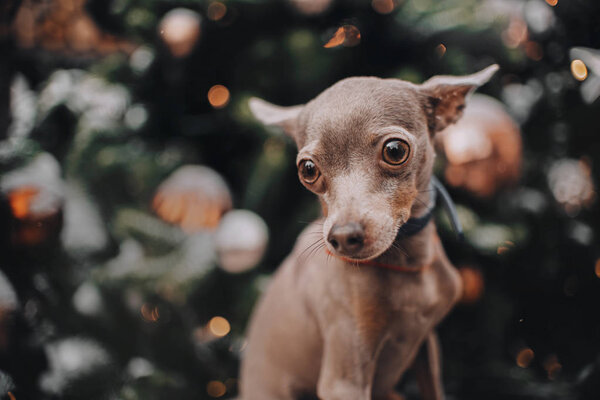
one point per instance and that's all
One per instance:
(357, 301)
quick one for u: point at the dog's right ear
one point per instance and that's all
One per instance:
(272, 115)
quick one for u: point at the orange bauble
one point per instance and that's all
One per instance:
(483, 149)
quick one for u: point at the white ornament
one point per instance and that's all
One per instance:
(194, 197)
(180, 29)
(241, 240)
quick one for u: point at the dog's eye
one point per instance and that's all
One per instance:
(308, 171)
(395, 151)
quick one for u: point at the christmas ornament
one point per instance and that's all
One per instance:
(483, 149)
(35, 196)
(240, 240)
(194, 197)
(63, 26)
(180, 30)
(571, 184)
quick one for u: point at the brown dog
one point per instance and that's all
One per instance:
(348, 311)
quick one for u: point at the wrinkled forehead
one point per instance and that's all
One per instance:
(351, 115)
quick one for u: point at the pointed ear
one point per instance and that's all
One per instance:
(272, 115)
(445, 96)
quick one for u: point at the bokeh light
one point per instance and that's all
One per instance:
(516, 32)
(579, 70)
(347, 35)
(553, 3)
(552, 366)
(473, 284)
(218, 96)
(150, 313)
(216, 389)
(216, 11)
(524, 357)
(440, 50)
(219, 326)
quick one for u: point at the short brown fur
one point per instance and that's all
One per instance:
(338, 328)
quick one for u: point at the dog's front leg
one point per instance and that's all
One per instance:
(348, 364)
(428, 369)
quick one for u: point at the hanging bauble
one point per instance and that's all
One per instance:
(571, 184)
(241, 240)
(193, 197)
(35, 196)
(483, 149)
(180, 30)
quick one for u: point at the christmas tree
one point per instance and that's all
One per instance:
(143, 209)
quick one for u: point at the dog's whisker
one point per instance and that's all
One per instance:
(308, 248)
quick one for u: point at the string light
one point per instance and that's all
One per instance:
(473, 284)
(579, 70)
(525, 357)
(218, 96)
(219, 326)
(552, 3)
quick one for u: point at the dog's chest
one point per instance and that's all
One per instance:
(402, 308)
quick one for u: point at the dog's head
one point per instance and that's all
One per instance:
(365, 148)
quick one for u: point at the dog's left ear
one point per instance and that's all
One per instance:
(445, 96)
(270, 114)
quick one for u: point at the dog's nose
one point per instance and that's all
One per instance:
(348, 239)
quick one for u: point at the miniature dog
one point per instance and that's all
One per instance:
(356, 303)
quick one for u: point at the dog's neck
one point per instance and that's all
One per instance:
(415, 250)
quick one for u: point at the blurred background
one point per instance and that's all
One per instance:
(143, 209)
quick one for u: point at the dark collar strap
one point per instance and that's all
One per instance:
(416, 224)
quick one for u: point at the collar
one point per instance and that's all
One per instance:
(415, 225)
